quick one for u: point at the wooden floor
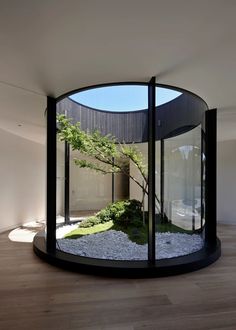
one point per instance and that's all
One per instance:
(37, 296)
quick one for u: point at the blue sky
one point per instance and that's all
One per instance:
(122, 98)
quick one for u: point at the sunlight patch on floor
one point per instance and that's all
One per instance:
(26, 232)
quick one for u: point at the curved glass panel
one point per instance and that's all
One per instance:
(183, 179)
(107, 186)
(179, 215)
(122, 98)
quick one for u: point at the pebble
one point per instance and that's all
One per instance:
(116, 245)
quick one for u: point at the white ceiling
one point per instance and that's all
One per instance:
(50, 47)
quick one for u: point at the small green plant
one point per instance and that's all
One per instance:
(123, 213)
(128, 213)
(90, 222)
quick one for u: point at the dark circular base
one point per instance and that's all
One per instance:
(133, 269)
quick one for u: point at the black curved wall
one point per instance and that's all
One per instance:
(172, 118)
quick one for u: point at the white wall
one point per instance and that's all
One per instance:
(226, 181)
(22, 180)
(90, 190)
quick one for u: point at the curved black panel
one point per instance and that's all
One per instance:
(132, 269)
(129, 127)
(184, 111)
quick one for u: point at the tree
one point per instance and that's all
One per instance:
(104, 154)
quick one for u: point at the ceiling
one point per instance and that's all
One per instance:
(50, 47)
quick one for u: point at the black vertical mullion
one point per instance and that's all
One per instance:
(113, 184)
(162, 182)
(67, 183)
(51, 175)
(151, 169)
(210, 181)
(202, 175)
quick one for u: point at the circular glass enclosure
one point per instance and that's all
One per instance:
(131, 188)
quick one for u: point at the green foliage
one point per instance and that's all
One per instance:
(89, 222)
(127, 213)
(79, 232)
(132, 153)
(105, 155)
(100, 148)
(123, 213)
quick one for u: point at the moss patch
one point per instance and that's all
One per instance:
(138, 235)
(169, 227)
(79, 232)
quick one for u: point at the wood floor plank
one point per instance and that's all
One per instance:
(35, 295)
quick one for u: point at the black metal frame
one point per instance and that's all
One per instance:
(151, 169)
(211, 251)
(202, 172)
(162, 177)
(133, 269)
(113, 184)
(210, 186)
(51, 174)
(67, 184)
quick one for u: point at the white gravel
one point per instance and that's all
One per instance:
(116, 245)
(63, 230)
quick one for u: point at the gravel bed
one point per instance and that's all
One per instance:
(115, 245)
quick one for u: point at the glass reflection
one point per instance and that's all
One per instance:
(183, 179)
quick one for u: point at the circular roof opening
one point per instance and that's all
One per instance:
(122, 98)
